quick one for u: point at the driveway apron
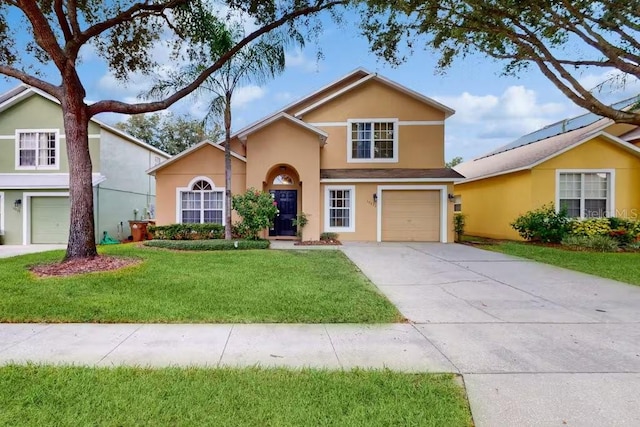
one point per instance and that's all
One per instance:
(537, 345)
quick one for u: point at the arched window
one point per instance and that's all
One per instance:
(202, 204)
(283, 179)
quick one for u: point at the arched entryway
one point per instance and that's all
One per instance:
(283, 182)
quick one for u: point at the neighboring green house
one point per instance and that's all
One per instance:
(34, 172)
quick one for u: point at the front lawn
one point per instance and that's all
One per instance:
(621, 266)
(197, 287)
(59, 396)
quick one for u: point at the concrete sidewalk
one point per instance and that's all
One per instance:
(335, 346)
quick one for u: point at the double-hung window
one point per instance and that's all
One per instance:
(340, 209)
(585, 194)
(373, 141)
(202, 204)
(37, 150)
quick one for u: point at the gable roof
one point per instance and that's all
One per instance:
(529, 156)
(376, 77)
(563, 126)
(242, 136)
(23, 91)
(536, 147)
(364, 76)
(189, 150)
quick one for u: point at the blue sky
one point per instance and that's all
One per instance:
(491, 109)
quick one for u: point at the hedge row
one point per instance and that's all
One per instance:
(187, 231)
(208, 245)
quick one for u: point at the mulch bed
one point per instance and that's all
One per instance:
(328, 242)
(82, 266)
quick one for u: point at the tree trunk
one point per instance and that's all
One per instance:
(82, 240)
(227, 167)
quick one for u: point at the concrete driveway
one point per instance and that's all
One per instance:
(7, 251)
(537, 345)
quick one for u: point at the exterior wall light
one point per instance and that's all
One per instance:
(17, 204)
(375, 197)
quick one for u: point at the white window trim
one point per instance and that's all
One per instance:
(457, 196)
(36, 167)
(396, 139)
(611, 200)
(352, 209)
(2, 203)
(444, 205)
(189, 187)
(26, 211)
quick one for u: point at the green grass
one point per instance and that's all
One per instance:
(621, 266)
(56, 396)
(197, 287)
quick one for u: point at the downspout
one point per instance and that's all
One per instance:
(97, 214)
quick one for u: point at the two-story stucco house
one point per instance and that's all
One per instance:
(362, 157)
(34, 172)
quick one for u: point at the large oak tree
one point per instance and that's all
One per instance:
(122, 33)
(564, 39)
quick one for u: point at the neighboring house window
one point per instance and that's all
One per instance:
(201, 204)
(373, 141)
(340, 209)
(585, 194)
(457, 203)
(37, 150)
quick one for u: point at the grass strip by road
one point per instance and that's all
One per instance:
(197, 287)
(53, 396)
(621, 266)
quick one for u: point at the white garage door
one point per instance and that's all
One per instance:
(49, 220)
(411, 215)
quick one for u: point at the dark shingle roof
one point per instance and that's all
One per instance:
(387, 173)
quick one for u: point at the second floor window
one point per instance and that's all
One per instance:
(373, 141)
(37, 150)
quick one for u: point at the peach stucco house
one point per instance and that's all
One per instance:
(362, 157)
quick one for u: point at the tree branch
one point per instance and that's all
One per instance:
(42, 33)
(125, 108)
(62, 20)
(52, 90)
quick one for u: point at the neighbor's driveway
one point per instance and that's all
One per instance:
(537, 345)
(7, 251)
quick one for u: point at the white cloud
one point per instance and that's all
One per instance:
(298, 59)
(243, 96)
(611, 85)
(487, 121)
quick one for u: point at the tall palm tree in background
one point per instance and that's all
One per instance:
(255, 64)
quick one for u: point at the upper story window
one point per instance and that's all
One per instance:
(37, 150)
(373, 141)
(585, 194)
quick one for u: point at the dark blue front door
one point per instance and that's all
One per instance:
(287, 201)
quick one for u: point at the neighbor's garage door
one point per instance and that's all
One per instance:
(49, 219)
(411, 215)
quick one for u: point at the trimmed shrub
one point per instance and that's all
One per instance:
(459, 221)
(543, 225)
(257, 209)
(590, 227)
(620, 229)
(208, 245)
(603, 243)
(598, 243)
(187, 231)
(328, 236)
